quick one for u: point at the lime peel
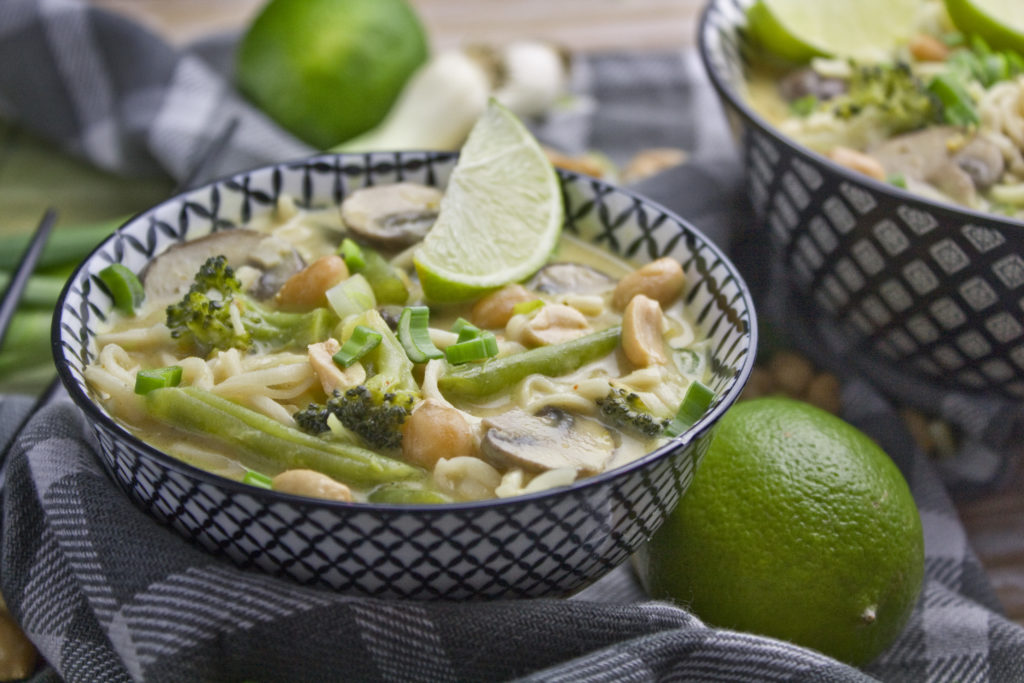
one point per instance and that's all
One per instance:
(1000, 23)
(501, 215)
(798, 30)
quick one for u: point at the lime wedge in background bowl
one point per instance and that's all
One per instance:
(797, 30)
(500, 217)
(1000, 23)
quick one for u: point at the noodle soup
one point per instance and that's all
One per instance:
(941, 116)
(297, 353)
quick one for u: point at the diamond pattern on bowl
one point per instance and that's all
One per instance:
(948, 279)
(551, 543)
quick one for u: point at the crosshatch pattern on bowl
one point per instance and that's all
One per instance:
(918, 284)
(543, 544)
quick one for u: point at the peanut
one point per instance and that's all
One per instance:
(307, 289)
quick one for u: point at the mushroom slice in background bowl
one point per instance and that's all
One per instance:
(549, 542)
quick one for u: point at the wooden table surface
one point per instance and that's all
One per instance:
(994, 523)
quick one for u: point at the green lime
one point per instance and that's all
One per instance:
(500, 217)
(1000, 23)
(327, 70)
(797, 30)
(797, 526)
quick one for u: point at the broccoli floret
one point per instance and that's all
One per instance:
(206, 319)
(375, 415)
(891, 89)
(376, 409)
(625, 410)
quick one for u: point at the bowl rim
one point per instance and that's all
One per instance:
(94, 413)
(729, 95)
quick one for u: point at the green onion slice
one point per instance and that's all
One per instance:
(157, 378)
(465, 329)
(352, 254)
(414, 335)
(124, 287)
(363, 340)
(254, 478)
(957, 105)
(695, 402)
(524, 307)
(481, 347)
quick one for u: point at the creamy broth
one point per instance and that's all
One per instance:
(940, 118)
(562, 414)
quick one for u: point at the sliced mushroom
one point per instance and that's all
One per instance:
(928, 156)
(570, 278)
(982, 160)
(552, 439)
(391, 216)
(807, 81)
(172, 272)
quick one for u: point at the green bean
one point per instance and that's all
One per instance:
(267, 445)
(478, 380)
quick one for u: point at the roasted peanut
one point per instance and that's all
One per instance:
(18, 656)
(494, 310)
(857, 161)
(435, 431)
(641, 332)
(554, 324)
(927, 48)
(791, 372)
(661, 280)
(331, 376)
(307, 289)
(823, 391)
(311, 483)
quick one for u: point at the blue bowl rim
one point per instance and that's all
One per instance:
(729, 95)
(93, 411)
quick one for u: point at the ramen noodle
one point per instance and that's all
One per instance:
(372, 396)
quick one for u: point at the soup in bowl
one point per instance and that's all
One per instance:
(279, 390)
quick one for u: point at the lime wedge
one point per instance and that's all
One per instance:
(500, 217)
(797, 30)
(1000, 23)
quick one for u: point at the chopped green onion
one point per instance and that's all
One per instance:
(952, 39)
(957, 106)
(803, 106)
(897, 179)
(696, 400)
(478, 348)
(524, 307)
(388, 286)
(465, 329)
(352, 254)
(363, 340)
(254, 478)
(124, 287)
(414, 335)
(158, 378)
(351, 296)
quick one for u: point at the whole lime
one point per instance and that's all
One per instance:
(1000, 23)
(797, 526)
(327, 70)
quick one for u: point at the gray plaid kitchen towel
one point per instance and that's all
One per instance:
(107, 594)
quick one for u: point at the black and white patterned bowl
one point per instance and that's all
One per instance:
(548, 543)
(917, 289)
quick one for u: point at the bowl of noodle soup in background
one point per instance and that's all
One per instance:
(916, 289)
(542, 543)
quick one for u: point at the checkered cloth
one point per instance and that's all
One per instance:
(107, 594)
